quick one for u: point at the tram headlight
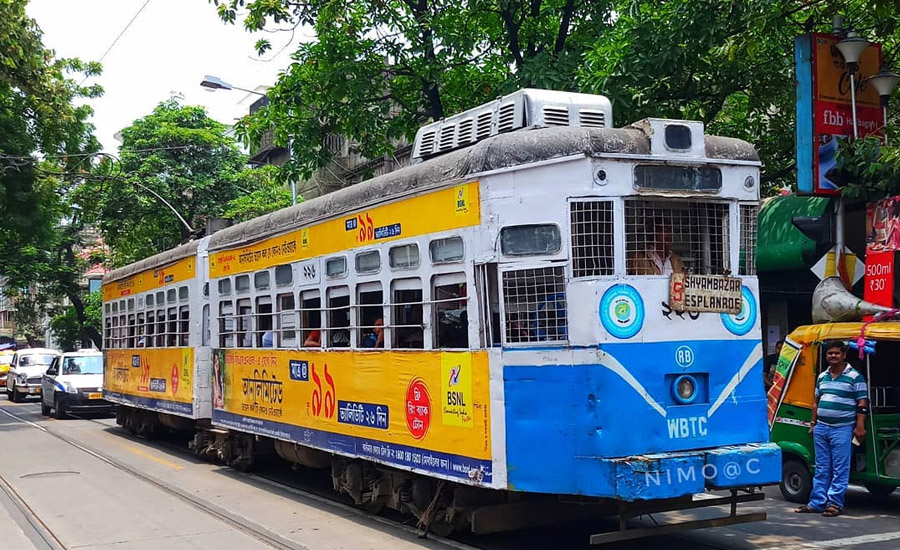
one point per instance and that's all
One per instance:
(684, 389)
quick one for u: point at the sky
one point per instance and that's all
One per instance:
(168, 49)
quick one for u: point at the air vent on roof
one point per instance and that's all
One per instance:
(592, 118)
(523, 109)
(465, 132)
(484, 125)
(447, 137)
(556, 116)
(507, 117)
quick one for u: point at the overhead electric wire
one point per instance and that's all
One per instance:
(119, 36)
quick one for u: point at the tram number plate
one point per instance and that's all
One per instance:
(96, 395)
(705, 293)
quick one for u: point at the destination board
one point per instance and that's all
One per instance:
(705, 293)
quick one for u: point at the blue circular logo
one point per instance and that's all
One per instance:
(741, 323)
(622, 311)
(684, 356)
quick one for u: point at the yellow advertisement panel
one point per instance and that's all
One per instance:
(151, 279)
(425, 410)
(441, 210)
(161, 379)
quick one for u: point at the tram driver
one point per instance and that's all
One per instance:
(657, 258)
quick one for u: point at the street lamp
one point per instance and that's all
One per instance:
(214, 83)
(884, 82)
(852, 47)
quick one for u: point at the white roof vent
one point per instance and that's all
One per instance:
(682, 138)
(528, 108)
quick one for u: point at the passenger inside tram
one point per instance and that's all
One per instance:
(657, 257)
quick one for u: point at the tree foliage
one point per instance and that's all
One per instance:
(264, 193)
(70, 331)
(45, 143)
(379, 68)
(175, 155)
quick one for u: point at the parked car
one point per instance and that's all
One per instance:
(5, 359)
(74, 383)
(26, 370)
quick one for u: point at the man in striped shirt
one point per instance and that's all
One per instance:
(838, 416)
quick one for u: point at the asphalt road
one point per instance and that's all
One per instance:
(85, 484)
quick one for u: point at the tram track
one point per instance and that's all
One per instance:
(252, 529)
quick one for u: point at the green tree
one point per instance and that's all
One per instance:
(264, 193)
(175, 155)
(378, 69)
(45, 146)
(70, 331)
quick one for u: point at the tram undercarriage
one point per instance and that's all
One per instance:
(441, 507)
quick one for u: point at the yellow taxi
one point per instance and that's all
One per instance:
(5, 359)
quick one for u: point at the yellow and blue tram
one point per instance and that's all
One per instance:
(539, 304)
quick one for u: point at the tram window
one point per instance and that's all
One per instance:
(261, 280)
(407, 330)
(339, 317)
(593, 251)
(106, 308)
(535, 305)
(284, 275)
(244, 323)
(665, 236)
(206, 290)
(183, 294)
(311, 318)
(131, 304)
(172, 332)
(287, 319)
(749, 218)
(530, 240)
(160, 328)
(368, 262)
(451, 318)
(224, 287)
(140, 302)
(242, 283)
(149, 300)
(141, 331)
(114, 340)
(107, 329)
(123, 328)
(226, 324)
(444, 251)
(170, 296)
(265, 335)
(115, 307)
(336, 267)
(184, 318)
(205, 334)
(132, 329)
(404, 256)
(677, 178)
(371, 315)
(149, 342)
(160, 298)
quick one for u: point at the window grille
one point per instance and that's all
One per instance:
(535, 305)
(592, 238)
(749, 217)
(662, 236)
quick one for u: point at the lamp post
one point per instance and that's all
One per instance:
(213, 83)
(852, 47)
(884, 82)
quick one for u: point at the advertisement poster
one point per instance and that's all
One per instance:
(160, 379)
(425, 410)
(790, 352)
(880, 278)
(883, 225)
(824, 113)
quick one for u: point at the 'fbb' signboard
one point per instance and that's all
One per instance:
(705, 293)
(824, 112)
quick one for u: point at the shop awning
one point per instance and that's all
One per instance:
(780, 245)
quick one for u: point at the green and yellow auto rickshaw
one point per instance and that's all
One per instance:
(875, 463)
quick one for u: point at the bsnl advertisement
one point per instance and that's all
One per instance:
(160, 379)
(427, 410)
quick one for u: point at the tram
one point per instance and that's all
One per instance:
(541, 317)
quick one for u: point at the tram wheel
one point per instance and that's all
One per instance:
(880, 490)
(796, 481)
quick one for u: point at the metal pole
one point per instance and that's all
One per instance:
(293, 192)
(884, 128)
(164, 201)
(853, 101)
(839, 236)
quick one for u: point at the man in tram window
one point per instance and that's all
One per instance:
(657, 258)
(375, 339)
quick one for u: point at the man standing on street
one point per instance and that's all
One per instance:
(838, 416)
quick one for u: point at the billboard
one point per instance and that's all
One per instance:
(824, 113)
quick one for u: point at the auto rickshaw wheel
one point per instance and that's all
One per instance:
(796, 481)
(880, 490)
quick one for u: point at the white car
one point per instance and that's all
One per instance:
(74, 382)
(25, 372)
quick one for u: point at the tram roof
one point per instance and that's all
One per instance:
(158, 260)
(501, 151)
